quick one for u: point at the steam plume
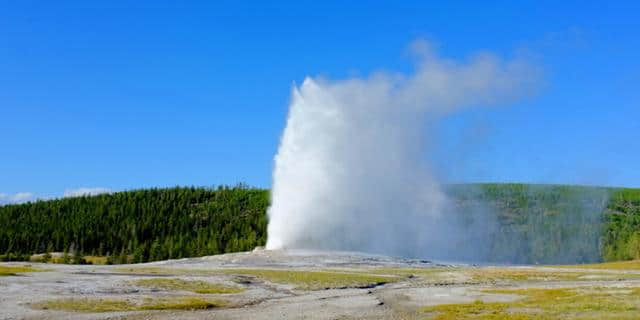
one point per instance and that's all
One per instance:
(351, 170)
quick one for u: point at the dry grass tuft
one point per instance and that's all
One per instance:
(493, 275)
(14, 270)
(202, 287)
(618, 265)
(306, 280)
(167, 271)
(562, 303)
(116, 305)
(316, 280)
(95, 259)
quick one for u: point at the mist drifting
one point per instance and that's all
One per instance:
(351, 172)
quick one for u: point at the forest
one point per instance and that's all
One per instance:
(534, 224)
(138, 226)
(531, 223)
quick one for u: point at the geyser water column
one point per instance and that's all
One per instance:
(345, 166)
(351, 170)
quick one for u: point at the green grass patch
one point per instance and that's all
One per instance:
(315, 280)
(501, 275)
(116, 305)
(493, 275)
(426, 276)
(561, 303)
(426, 272)
(167, 271)
(14, 270)
(307, 280)
(339, 278)
(618, 265)
(202, 287)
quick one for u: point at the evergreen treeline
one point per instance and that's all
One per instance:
(621, 236)
(536, 223)
(138, 226)
(529, 223)
(553, 223)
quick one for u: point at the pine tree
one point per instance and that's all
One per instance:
(155, 252)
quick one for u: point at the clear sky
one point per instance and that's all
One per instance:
(131, 94)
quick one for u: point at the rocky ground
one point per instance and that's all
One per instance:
(315, 285)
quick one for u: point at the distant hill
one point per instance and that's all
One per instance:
(551, 223)
(520, 223)
(140, 225)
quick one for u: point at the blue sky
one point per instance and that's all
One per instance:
(123, 95)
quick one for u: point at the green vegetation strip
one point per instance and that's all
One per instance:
(548, 224)
(14, 270)
(315, 280)
(306, 280)
(202, 287)
(423, 275)
(498, 275)
(517, 274)
(424, 272)
(168, 271)
(342, 278)
(620, 265)
(115, 305)
(165, 223)
(562, 303)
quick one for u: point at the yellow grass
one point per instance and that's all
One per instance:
(618, 265)
(519, 274)
(115, 305)
(96, 259)
(185, 285)
(14, 270)
(314, 280)
(167, 271)
(308, 280)
(422, 272)
(543, 304)
(57, 258)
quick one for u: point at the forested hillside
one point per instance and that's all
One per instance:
(527, 223)
(621, 239)
(138, 226)
(553, 223)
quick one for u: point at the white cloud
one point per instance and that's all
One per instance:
(22, 197)
(19, 197)
(85, 192)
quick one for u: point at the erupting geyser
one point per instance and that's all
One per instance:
(351, 171)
